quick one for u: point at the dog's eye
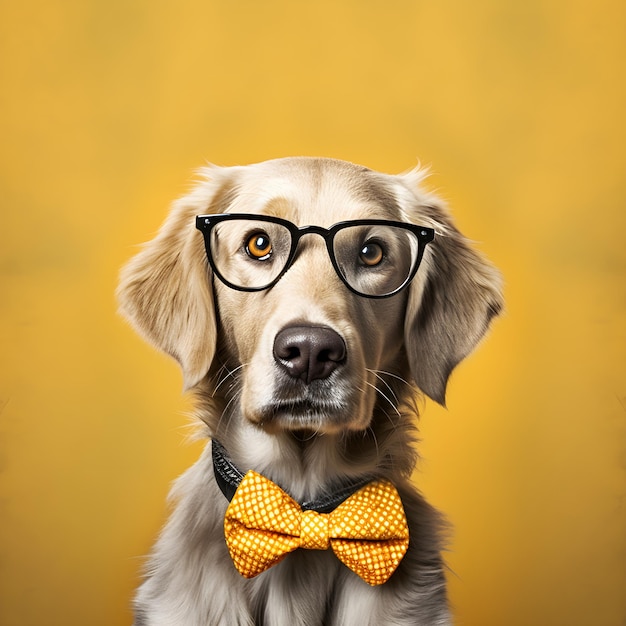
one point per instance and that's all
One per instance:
(371, 254)
(259, 246)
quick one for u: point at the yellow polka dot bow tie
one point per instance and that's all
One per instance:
(368, 531)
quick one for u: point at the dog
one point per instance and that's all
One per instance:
(309, 303)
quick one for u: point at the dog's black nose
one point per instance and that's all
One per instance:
(309, 352)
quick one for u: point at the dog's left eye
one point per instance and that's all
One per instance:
(371, 254)
(259, 246)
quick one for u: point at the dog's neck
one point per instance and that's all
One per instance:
(309, 467)
(228, 477)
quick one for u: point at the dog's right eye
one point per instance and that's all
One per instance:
(259, 246)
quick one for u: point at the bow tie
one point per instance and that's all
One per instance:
(368, 532)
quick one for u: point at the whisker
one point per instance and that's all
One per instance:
(402, 380)
(393, 406)
(225, 412)
(389, 418)
(382, 380)
(229, 374)
(375, 439)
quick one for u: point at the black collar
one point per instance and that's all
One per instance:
(228, 477)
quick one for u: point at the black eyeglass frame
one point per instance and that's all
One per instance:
(206, 223)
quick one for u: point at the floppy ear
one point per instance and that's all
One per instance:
(165, 290)
(449, 313)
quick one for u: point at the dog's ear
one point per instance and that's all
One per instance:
(449, 312)
(165, 290)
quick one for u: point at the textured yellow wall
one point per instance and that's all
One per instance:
(107, 107)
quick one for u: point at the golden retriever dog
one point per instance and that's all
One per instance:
(309, 302)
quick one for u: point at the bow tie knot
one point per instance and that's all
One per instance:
(314, 530)
(367, 532)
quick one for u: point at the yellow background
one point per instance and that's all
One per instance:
(107, 107)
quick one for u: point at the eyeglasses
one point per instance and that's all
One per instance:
(374, 258)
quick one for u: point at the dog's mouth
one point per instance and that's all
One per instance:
(302, 415)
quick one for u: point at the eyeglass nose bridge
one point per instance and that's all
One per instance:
(300, 231)
(327, 234)
(313, 229)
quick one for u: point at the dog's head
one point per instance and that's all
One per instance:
(309, 352)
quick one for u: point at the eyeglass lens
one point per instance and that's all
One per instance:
(375, 259)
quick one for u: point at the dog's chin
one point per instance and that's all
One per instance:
(305, 419)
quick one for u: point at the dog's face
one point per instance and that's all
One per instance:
(308, 353)
(311, 350)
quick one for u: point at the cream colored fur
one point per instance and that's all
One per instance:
(360, 421)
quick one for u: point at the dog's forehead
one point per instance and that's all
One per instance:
(316, 191)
